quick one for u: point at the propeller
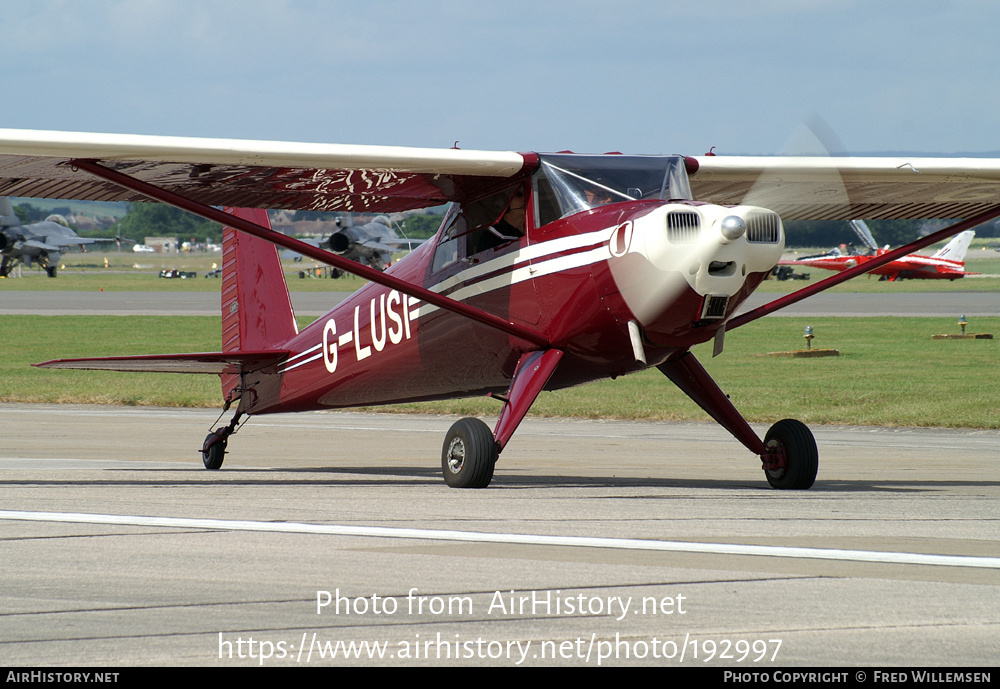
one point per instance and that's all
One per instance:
(785, 190)
(652, 286)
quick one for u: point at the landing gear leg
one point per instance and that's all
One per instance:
(213, 452)
(788, 453)
(471, 450)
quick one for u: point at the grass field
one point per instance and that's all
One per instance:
(889, 372)
(131, 272)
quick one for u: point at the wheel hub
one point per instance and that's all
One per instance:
(456, 455)
(776, 459)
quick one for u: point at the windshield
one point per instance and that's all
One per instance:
(566, 183)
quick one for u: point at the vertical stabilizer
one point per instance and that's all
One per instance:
(955, 249)
(256, 309)
(8, 218)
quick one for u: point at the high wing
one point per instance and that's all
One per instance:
(843, 188)
(267, 174)
(257, 174)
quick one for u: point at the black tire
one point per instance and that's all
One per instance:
(801, 455)
(50, 271)
(213, 455)
(469, 454)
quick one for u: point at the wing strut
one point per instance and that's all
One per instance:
(345, 264)
(887, 257)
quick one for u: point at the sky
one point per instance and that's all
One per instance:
(662, 76)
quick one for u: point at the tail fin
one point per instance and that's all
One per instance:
(956, 248)
(256, 309)
(8, 218)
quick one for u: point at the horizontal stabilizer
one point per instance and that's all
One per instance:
(205, 362)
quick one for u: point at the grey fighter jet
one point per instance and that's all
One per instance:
(40, 242)
(371, 244)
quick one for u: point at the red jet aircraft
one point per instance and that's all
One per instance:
(549, 270)
(946, 264)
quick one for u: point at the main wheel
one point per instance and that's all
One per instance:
(213, 454)
(795, 440)
(469, 454)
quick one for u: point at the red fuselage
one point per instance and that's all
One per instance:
(562, 279)
(909, 267)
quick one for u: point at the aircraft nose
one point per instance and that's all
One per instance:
(707, 251)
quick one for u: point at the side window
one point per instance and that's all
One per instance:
(445, 254)
(446, 251)
(488, 223)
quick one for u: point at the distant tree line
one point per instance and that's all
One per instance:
(830, 233)
(159, 220)
(28, 213)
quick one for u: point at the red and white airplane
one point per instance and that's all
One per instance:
(550, 270)
(946, 264)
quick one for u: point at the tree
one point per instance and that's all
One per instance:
(830, 233)
(160, 220)
(421, 226)
(28, 213)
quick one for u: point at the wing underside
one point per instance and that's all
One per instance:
(265, 174)
(251, 174)
(835, 188)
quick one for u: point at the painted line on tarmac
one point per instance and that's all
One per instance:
(520, 539)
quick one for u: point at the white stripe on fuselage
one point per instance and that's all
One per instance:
(531, 262)
(537, 260)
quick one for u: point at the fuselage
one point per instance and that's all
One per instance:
(617, 281)
(910, 267)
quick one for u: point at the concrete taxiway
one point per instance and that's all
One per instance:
(599, 542)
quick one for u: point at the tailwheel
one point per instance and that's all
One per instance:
(213, 452)
(792, 459)
(469, 454)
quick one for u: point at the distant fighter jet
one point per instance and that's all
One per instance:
(946, 264)
(371, 244)
(40, 242)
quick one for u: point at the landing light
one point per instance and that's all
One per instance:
(733, 227)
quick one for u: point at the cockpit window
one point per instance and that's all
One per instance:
(565, 183)
(492, 222)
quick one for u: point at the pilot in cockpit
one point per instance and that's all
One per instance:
(597, 196)
(510, 227)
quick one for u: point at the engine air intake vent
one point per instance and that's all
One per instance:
(763, 228)
(714, 307)
(683, 227)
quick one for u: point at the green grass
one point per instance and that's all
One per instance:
(131, 272)
(889, 373)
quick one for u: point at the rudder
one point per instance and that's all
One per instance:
(956, 249)
(257, 311)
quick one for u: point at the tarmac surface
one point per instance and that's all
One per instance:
(948, 304)
(599, 543)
